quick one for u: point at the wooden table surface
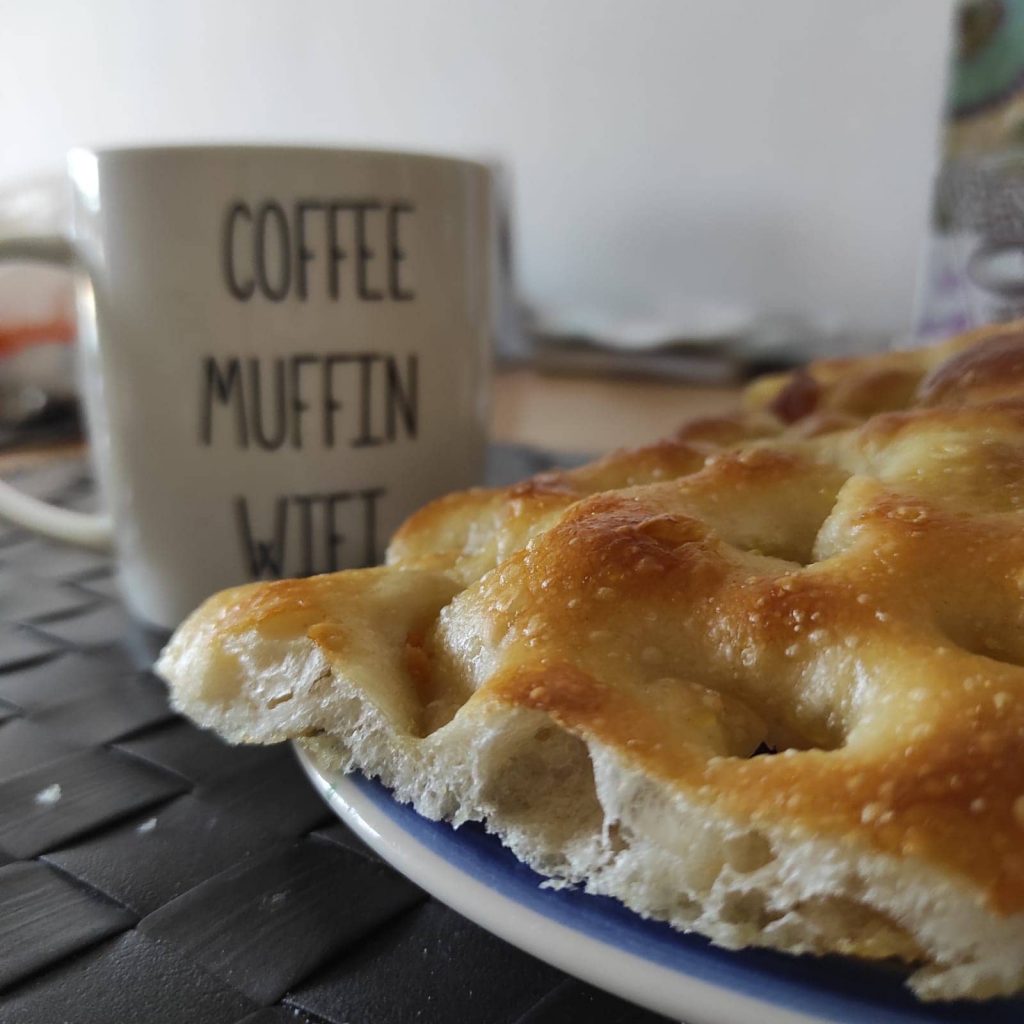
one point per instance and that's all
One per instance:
(590, 414)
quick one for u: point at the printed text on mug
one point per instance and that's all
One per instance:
(339, 250)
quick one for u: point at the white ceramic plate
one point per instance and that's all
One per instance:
(600, 941)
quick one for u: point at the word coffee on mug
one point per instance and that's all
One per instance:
(285, 354)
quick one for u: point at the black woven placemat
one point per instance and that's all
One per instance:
(150, 873)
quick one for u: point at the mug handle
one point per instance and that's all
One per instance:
(86, 529)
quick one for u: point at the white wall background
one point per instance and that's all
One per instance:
(776, 154)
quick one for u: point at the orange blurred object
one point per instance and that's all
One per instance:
(17, 336)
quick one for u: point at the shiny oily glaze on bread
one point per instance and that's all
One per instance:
(762, 679)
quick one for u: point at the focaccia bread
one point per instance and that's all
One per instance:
(761, 680)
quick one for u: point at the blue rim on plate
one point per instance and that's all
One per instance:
(833, 989)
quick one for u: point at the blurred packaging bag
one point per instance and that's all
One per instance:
(37, 325)
(973, 272)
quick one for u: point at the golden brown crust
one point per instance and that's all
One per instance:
(992, 367)
(837, 571)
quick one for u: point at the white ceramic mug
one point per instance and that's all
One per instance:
(284, 352)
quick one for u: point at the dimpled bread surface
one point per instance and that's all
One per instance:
(761, 679)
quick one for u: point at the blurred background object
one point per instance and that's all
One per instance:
(37, 385)
(696, 188)
(974, 272)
